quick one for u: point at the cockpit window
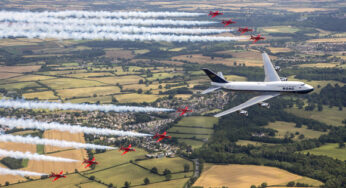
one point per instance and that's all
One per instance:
(302, 85)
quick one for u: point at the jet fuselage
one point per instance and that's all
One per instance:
(278, 86)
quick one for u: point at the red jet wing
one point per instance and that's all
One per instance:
(159, 139)
(164, 133)
(182, 113)
(55, 179)
(61, 172)
(214, 15)
(93, 159)
(88, 165)
(124, 152)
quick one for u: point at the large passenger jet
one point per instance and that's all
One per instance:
(272, 86)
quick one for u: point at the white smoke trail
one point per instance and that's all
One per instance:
(98, 14)
(101, 21)
(5, 171)
(42, 27)
(51, 142)
(33, 124)
(71, 106)
(5, 33)
(33, 156)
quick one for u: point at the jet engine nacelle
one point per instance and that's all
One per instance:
(277, 68)
(283, 79)
(243, 113)
(264, 104)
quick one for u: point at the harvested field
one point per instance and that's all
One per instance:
(331, 40)
(122, 80)
(173, 164)
(26, 78)
(19, 69)
(67, 136)
(67, 83)
(5, 75)
(137, 98)
(243, 176)
(118, 53)
(88, 92)
(43, 95)
(279, 50)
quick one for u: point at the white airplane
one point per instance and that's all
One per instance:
(272, 86)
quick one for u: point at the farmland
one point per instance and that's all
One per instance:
(244, 176)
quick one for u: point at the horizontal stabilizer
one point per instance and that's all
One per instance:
(214, 77)
(210, 89)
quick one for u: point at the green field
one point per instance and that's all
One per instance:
(198, 121)
(191, 130)
(247, 142)
(330, 150)
(284, 128)
(173, 164)
(43, 95)
(330, 116)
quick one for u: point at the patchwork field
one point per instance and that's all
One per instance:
(173, 164)
(279, 29)
(243, 176)
(330, 150)
(43, 95)
(284, 128)
(137, 98)
(88, 92)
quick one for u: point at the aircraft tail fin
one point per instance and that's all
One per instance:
(218, 78)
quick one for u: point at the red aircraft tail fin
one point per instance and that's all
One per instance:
(61, 172)
(93, 159)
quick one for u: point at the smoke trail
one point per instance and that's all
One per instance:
(51, 142)
(98, 14)
(5, 33)
(33, 156)
(71, 106)
(32, 124)
(5, 171)
(41, 27)
(101, 21)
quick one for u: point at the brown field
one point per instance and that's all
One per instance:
(243, 176)
(26, 78)
(44, 95)
(278, 50)
(320, 65)
(15, 147)
(19, 69)
(240, 57)
(4, 75)
(85, 75)
(303, 9)
(118, 53)
(138, 98)
(9, 178)
(119, 79)
(331, 40)
(89, 91)
(58, 135)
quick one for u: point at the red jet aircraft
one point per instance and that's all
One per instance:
(90, 162)
(183, 110)
(256, 38)
(244, 30)
(126, 149)
(57, 176)
(214, 14)
(161, 136)
(227, 22)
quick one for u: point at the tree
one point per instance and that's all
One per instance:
(140, 81)
(92, 178)
(341, 145)
(7, 183)
(264, 185)
(166, 171)
(253, 186)
(186, 167)
(110, 185)
(298, 125)
(168, 177)
(139, 91)
(154, 170)
(291, 184)
(146, 181)
(127, 184)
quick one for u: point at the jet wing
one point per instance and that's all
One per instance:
(159, 139)
(124, 152)
(56, 178)
(270, 73)
(88, 165)
(210, 89)
(182, 114)
(248, 103)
